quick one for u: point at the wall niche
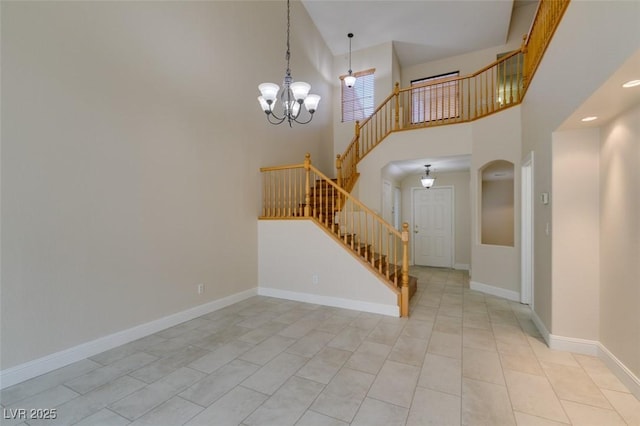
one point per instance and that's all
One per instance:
(497, 203)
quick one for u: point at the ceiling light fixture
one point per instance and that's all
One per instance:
(631, 83)
(427, 181)
(292, 96)
(587, 119)
(350, 80)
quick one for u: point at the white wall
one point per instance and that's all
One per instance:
(620, 239)
(558, 88)
(576, 240)
(131, 143)
(291, 252)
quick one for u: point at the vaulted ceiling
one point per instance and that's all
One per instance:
(421, 31)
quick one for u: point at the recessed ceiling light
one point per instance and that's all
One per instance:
(589, 118)
(631, 83)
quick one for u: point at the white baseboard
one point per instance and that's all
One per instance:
(590, 347)
(573, 344)
(461, 266)
(621, 371)
(336, 302)
(495, 291)
(28, 370)
(540, 326)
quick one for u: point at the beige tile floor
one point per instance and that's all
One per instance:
(461, 358)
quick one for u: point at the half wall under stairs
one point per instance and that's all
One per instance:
(298, 260)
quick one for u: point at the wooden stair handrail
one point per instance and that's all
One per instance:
(357, 202)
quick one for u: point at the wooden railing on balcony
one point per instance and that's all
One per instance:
(497, 86)
(302, 191)
(547, 19)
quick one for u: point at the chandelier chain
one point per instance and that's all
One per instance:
(288, 54)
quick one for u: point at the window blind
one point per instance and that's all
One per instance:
(437, 101)
(358, 101)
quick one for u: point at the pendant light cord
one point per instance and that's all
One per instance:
(288, 54)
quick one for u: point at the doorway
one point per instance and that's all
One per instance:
(433, 226)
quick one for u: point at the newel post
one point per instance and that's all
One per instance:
(396, 93)
(307, 185)
(404, 290)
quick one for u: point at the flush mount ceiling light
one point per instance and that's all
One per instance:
(292, 96)
(631, 83)
(350, 80)
(427, 181)
(587, 119)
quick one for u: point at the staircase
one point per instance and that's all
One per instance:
(325, 203)
(302, 191)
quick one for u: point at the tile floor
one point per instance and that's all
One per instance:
(461, 358)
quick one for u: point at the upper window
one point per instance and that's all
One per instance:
(358, 101)
(438, 100)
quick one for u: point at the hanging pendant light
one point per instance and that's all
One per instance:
(427, 181)
(350, 79)
(292, 96)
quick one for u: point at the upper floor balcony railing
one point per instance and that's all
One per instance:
(497, 86)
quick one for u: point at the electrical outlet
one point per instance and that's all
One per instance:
(200, 288)
(315, 279)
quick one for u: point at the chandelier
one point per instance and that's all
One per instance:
(427, 181)
(292, 95)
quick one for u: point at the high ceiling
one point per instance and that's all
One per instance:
(421, 30)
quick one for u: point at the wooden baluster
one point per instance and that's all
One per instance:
(377, 248)
(404, 291)
(307, 189)
(366, 227)
(277, 193)
(340, 183)
(314, 196)
(357, 146)
(493, 101)
(468, 99)
(440, 102)
(396, 92)
(264, 194)
(288, 187)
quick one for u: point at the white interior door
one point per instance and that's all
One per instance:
(433, 227)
